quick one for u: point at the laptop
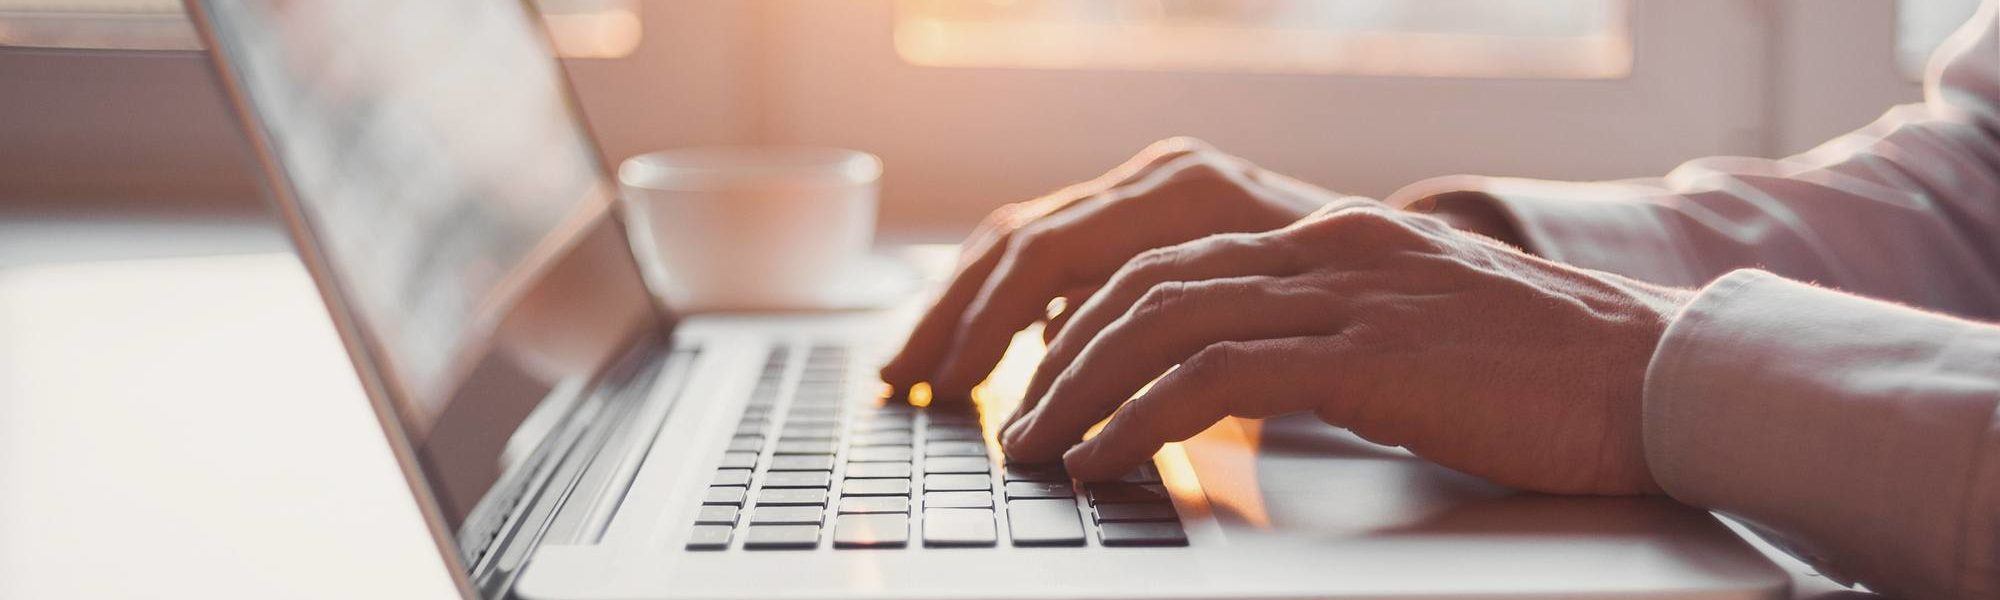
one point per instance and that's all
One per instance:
(568, 435)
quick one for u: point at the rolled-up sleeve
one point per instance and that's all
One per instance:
(1907, 208)
(1858, 434)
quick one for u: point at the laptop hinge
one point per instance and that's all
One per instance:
(567, 467)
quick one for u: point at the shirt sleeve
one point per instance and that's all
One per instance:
(1906, 209)
(1859, 435)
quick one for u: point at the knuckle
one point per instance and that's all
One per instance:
(1177, 146)
(1365, 225)
(1028, 242)
(1150, 266)
(1360, 220)
(1158, 300)
(1201, 169)
(1217, 357)
(1005, 219)
(1154, 259)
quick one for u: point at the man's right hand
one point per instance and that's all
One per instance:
(1067, 244)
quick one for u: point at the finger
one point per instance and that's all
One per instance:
(1349, 229)
(1076, 247)
(1038, 262)
(1166, 326)
(1066, 307)
(1255, 379)
(1212, 257)
(929, 339)
(923, 352)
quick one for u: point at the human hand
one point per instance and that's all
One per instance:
(1065, 244)
(1469, 353)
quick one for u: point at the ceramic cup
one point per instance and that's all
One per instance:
(752, 227)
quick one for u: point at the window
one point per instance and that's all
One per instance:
(579, 28)
(100, 24)
(1562, 39)
(1921, 25)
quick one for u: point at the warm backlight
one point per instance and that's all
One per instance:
(1560, 39)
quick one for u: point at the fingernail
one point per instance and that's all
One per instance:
(1014, 416)
(1011, 435)
(1079, 456)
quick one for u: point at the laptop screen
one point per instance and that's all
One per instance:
(461, 222)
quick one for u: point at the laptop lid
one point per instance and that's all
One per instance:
(442, 188)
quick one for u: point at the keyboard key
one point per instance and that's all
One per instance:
(899, 454)
(806, 410)
(739, 460)
(802, 462)
(810, 432)
(957, 500)
(781, 537)
(952, 414)
(1044, 523)
(875, 487)
(807, 447)
(939, 423)
(812, 421)
(1037, 489)
(709, 537)
(957, 483)
(956, 464)
(955, 449)
(823, 391)
(871, 531)
(878, 424)
(1142, 534)
(948, 527)
(726, 477)
(724, 495)
(878, 470)
(874, 504)
(1143, 474)
(955, 434)
(752, 427)
(715, 515)
(746, 443)
(1115, 513)
(1036, 472)
(884, 438)
(786, 515)
(1126, 493)
(792, 497)
(797, 479)
(890, 407)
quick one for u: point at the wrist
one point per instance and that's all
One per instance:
(1661, 306)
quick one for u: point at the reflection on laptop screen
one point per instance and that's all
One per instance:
(434, 158)
(430, 148)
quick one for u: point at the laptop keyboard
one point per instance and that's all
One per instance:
(809, 468)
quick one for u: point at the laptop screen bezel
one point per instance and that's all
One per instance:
(377, 378)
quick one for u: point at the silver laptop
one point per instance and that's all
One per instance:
(568, 436)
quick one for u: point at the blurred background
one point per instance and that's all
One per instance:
(108, 105)
(111, 124)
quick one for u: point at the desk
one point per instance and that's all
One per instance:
(177, 418)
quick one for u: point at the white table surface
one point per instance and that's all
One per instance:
(185, 424)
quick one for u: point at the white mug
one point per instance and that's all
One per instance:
(752, 227)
